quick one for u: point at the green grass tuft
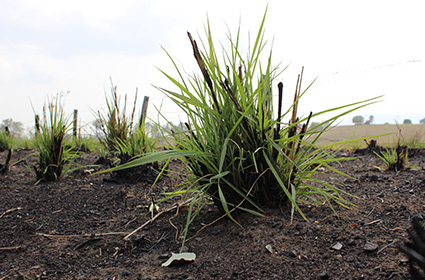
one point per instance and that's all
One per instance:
(395, 158)
(122, 136)
(242, 149)
(53, 144)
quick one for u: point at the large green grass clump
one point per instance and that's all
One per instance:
(249, 153)
(243, 149)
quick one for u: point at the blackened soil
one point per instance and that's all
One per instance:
(75, 228)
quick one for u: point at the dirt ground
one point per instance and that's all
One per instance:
(75, 228)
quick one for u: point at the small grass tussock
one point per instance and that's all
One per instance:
(115, 125)
(395, 158)
(124, 138)
(121, 134)
(53, 143)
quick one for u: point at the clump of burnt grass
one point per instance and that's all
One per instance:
(395, 158)
(53, 143)
(123, 137)
(115, 125)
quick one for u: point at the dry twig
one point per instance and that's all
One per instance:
(80, 235)
(386, 246)
(156, 216)
(373, 222)
(11, 248)
(10, 210)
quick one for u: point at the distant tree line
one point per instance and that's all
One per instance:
(16, 129)
(359, 120)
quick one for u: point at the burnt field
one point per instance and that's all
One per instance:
(75, 228)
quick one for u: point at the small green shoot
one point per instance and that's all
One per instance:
(395, 159)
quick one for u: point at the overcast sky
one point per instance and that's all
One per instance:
(357, 49)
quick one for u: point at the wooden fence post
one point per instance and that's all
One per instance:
(37, 125)
(75, 124)
(144, 110)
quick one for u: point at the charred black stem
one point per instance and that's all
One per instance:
(279, 110)
(204, 71)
